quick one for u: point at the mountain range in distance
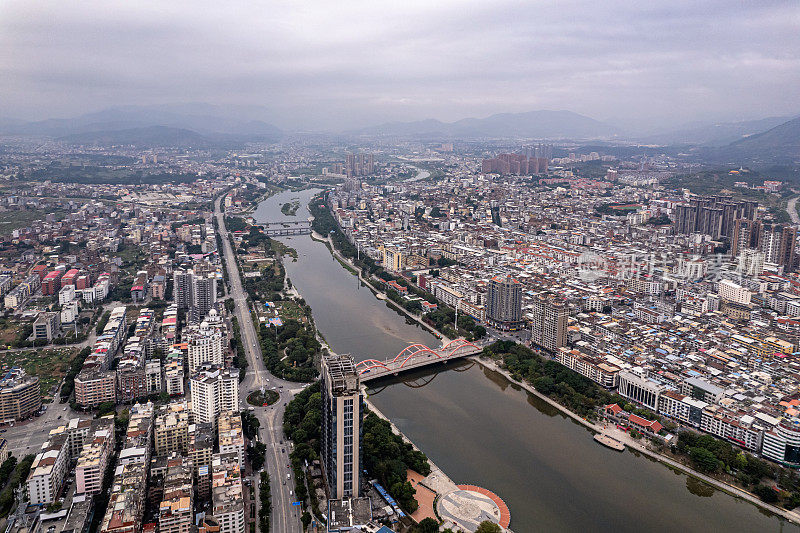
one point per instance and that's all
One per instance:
(533, 124)
(206, 126)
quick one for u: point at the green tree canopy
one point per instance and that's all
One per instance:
(488, 527)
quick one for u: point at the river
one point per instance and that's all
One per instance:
(482, 430)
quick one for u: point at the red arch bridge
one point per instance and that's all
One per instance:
(415, 356)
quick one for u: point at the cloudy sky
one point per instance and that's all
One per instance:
(323, 64)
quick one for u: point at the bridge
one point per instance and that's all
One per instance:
(415, 356)
(276, 229)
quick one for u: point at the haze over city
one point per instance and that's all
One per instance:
(643, 66)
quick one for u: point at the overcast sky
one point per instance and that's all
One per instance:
(319, 64)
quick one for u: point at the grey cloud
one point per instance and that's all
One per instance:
(326, 64)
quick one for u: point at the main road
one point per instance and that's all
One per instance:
(285, 516)
(791, 208)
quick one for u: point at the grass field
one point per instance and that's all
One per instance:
(48, 365)
(11, 220)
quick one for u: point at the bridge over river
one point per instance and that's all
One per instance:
(277, 229)
(415, 356)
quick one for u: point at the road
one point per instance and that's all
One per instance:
(791, 207)
(285, 517)
(28, 436)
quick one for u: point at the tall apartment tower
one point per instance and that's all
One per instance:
(194, 292)
(341, 425)
(504, 303)
(205, 293)
(183, 288)
(746, 234)
(549, 325)
(212, 391)
(778, 244)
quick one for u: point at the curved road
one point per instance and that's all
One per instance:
(285, 517)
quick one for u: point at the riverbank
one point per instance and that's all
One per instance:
(349, 266)
(632, 444)
(636, 446)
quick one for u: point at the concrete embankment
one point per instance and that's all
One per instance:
(636, 446)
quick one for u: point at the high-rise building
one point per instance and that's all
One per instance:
(518, 164)
(204, 344)
(746, 234)
(712, 215)
(504, 303)
(194, 292)
(778, 244)
(213, 390)
(182, 288)
(201, 450)
(205, 294)
(549, 322)
(359, 165)
(342, 408)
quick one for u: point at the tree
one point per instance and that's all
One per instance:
(703, 459)
(428, 525)
(106, 408)
(766, 493)
(488, 527)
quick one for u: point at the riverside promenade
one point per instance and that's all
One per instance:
(631, 443)
(458, 506)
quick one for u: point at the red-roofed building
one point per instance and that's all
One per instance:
(51, 283)
(642, 424)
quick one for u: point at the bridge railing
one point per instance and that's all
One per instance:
(412, 355)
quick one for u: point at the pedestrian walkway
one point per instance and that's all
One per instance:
(469, 505)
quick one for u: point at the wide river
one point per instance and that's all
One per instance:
(482, 430)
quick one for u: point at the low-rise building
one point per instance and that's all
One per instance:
(231, 437)
(49, 468)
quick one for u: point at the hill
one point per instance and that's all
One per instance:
(780, 144)
(149, 137)
(534, 124)
(717, 134)
(204, 119)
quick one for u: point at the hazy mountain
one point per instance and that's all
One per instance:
(202, 118)
(151, 136)
(780, 144)
(534, 124)
(718, 134)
